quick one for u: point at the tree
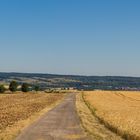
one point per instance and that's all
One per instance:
(36, 88)
(25, 87)
(13, 86)
(2, 89)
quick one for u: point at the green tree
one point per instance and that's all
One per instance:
(13, 86)
(2, 89)
(25, 87)
(36, 88)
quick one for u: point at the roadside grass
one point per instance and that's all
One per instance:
(90, 122)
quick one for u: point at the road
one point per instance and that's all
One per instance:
(60, 123)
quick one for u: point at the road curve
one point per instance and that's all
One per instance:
(61, 123)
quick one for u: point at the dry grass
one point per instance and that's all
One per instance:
(91, 124)
(117, 110)
(15, 108)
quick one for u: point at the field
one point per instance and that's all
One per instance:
(17, 107)
(119, 111)
(91, 124)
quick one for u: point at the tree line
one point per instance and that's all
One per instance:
(13, 87)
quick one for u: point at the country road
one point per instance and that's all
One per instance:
(61, 123)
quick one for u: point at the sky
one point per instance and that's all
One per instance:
(84, 37)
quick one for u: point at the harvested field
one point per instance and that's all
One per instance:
(17, 107)
(117, 110)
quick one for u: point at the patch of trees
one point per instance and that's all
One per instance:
(24, 87)
(2, 89)
(13, 86)
(36, 88)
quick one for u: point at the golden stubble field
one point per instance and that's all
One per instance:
(17, 107)
(117, 110)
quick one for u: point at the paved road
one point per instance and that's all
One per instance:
(61, 123)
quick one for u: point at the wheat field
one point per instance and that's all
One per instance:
(117, 110)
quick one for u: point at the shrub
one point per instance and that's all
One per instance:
(2, 89)
(13, 86)
(25, 87)
(36, 88)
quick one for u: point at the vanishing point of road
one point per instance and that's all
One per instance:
(60, 123)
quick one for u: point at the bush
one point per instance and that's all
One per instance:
(13, 86)
(36, 88)
(2, 89)
(25, 87)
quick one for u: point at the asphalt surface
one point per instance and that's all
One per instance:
(60, 123)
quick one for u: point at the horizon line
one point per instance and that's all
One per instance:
(45, 73)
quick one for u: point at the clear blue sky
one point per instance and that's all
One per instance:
(88, 37)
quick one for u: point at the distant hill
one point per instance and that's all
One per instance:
(79, 82)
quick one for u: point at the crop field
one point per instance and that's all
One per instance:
(119, 111)
(17, 107)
